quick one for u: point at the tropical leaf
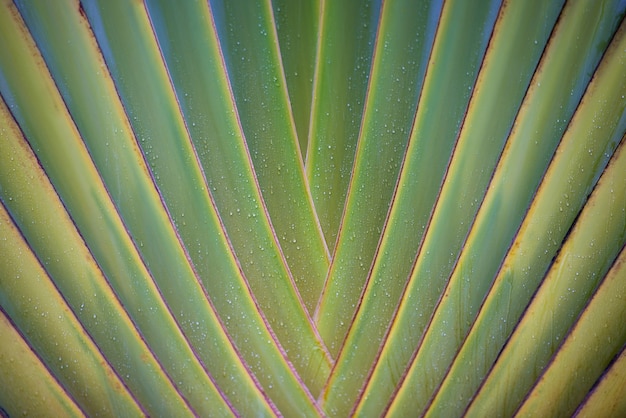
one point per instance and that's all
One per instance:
(312, 208)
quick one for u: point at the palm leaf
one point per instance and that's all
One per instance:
(312, 208)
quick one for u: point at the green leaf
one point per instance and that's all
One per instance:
(461, 300)
(395, 83)
(267, 123)
(35, 207)
(154, 109)
(607, 397)
(589, 251)
(28, 388)
(555, 207)
(40, 314)
(590, 346)
(80, 187)
(344, 58)
(312, 208)
(219, 141)
(297, 25)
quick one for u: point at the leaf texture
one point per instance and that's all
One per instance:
(312, 208)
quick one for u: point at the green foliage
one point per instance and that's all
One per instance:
(312, 208)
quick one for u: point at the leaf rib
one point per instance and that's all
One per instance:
(36, 308)
(607, 398)
(380, 150)
(23, 372)
(418, 179)
(346, 40)
(436, 262)
(217, 136)
(577, 365)
(536, 242)
(124, 266)
(555, 308)
(35, 205)
(155, 109)
(269, 134)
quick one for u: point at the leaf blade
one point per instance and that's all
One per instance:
(269, 132)
(392, 98)
(218, 139)
(344, 58)
(29, 298)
